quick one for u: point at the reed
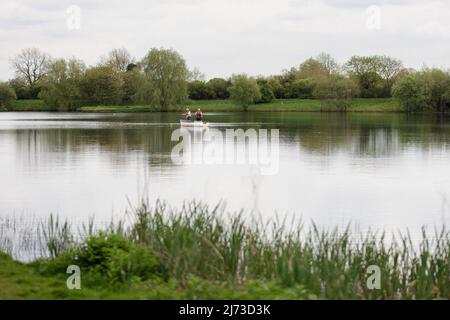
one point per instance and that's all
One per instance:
(215, 246)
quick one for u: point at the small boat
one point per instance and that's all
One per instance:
(194, 124)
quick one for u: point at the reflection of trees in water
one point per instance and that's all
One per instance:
(325, 133)
(55, 146)
(368, 135)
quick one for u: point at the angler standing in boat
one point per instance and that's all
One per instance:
(199, 115)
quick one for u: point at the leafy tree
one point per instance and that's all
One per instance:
(336, 91)
(428, 89)
(244, 90)
(102, 85)
(164, 81)
(375, 74)
(199, 90)
(7, 96)
(23, 90)
(321, 66)
(328, 63)
(301, 89)
(62, 84)
(132, 66)
(413, 93)
(370, 85)
(130, 82)
(220, 88)
(267, 94)
(312, 68)
(389, 70)
(276, 86)
(439, 83)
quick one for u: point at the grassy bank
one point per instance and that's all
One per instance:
(29, 105)
(296, 105)
(203, 253)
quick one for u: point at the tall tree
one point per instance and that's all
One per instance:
(102, 85)
(118, 59)
(328, 63)
(62, 84)
(244, 90)
(7, 96)
(31, 65)
(164, 81)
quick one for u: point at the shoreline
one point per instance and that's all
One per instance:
(207, 254)
(387, 105)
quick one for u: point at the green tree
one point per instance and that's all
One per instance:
(62, 84)
(413, 92)
(375, 74)
(164, 81)
(439, 83)
(102, 85)
(321, 66)
(276, 86)
(425, 90)
(312, 68)
(244, 90)
(199, 90)
(301, 89)
(267, 94)
(336, 92)
(7, 96)
(220, 88)
(130, 82)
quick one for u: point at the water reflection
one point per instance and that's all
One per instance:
(376, 169)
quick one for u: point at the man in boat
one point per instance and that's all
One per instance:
(199, 115)
(187, 115)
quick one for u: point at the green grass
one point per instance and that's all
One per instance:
(204, 253)
(24, 281)
(121, 109)
(298, 105)
(29, 105)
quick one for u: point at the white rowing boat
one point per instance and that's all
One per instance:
(194, 124)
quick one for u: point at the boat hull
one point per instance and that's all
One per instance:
(193, 124)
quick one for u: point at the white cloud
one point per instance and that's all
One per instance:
(222, 37)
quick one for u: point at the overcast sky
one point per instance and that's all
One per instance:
(222, 37)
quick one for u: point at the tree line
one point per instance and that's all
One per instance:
(162, 79)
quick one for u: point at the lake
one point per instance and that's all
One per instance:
(380, 171)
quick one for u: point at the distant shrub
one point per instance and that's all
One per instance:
(199, 90)
(220, 88)
(102, 85)
(413, 93)
(267, 94)
(300, 89)
(425, 90)
(7, 96)
(244, 91)
(336, 92)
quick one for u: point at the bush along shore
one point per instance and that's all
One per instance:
(280, 105)
(202, 253)
(162, 81)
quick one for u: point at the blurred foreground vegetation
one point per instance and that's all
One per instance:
(203, 253)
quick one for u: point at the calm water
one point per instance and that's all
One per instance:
(376, 170)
